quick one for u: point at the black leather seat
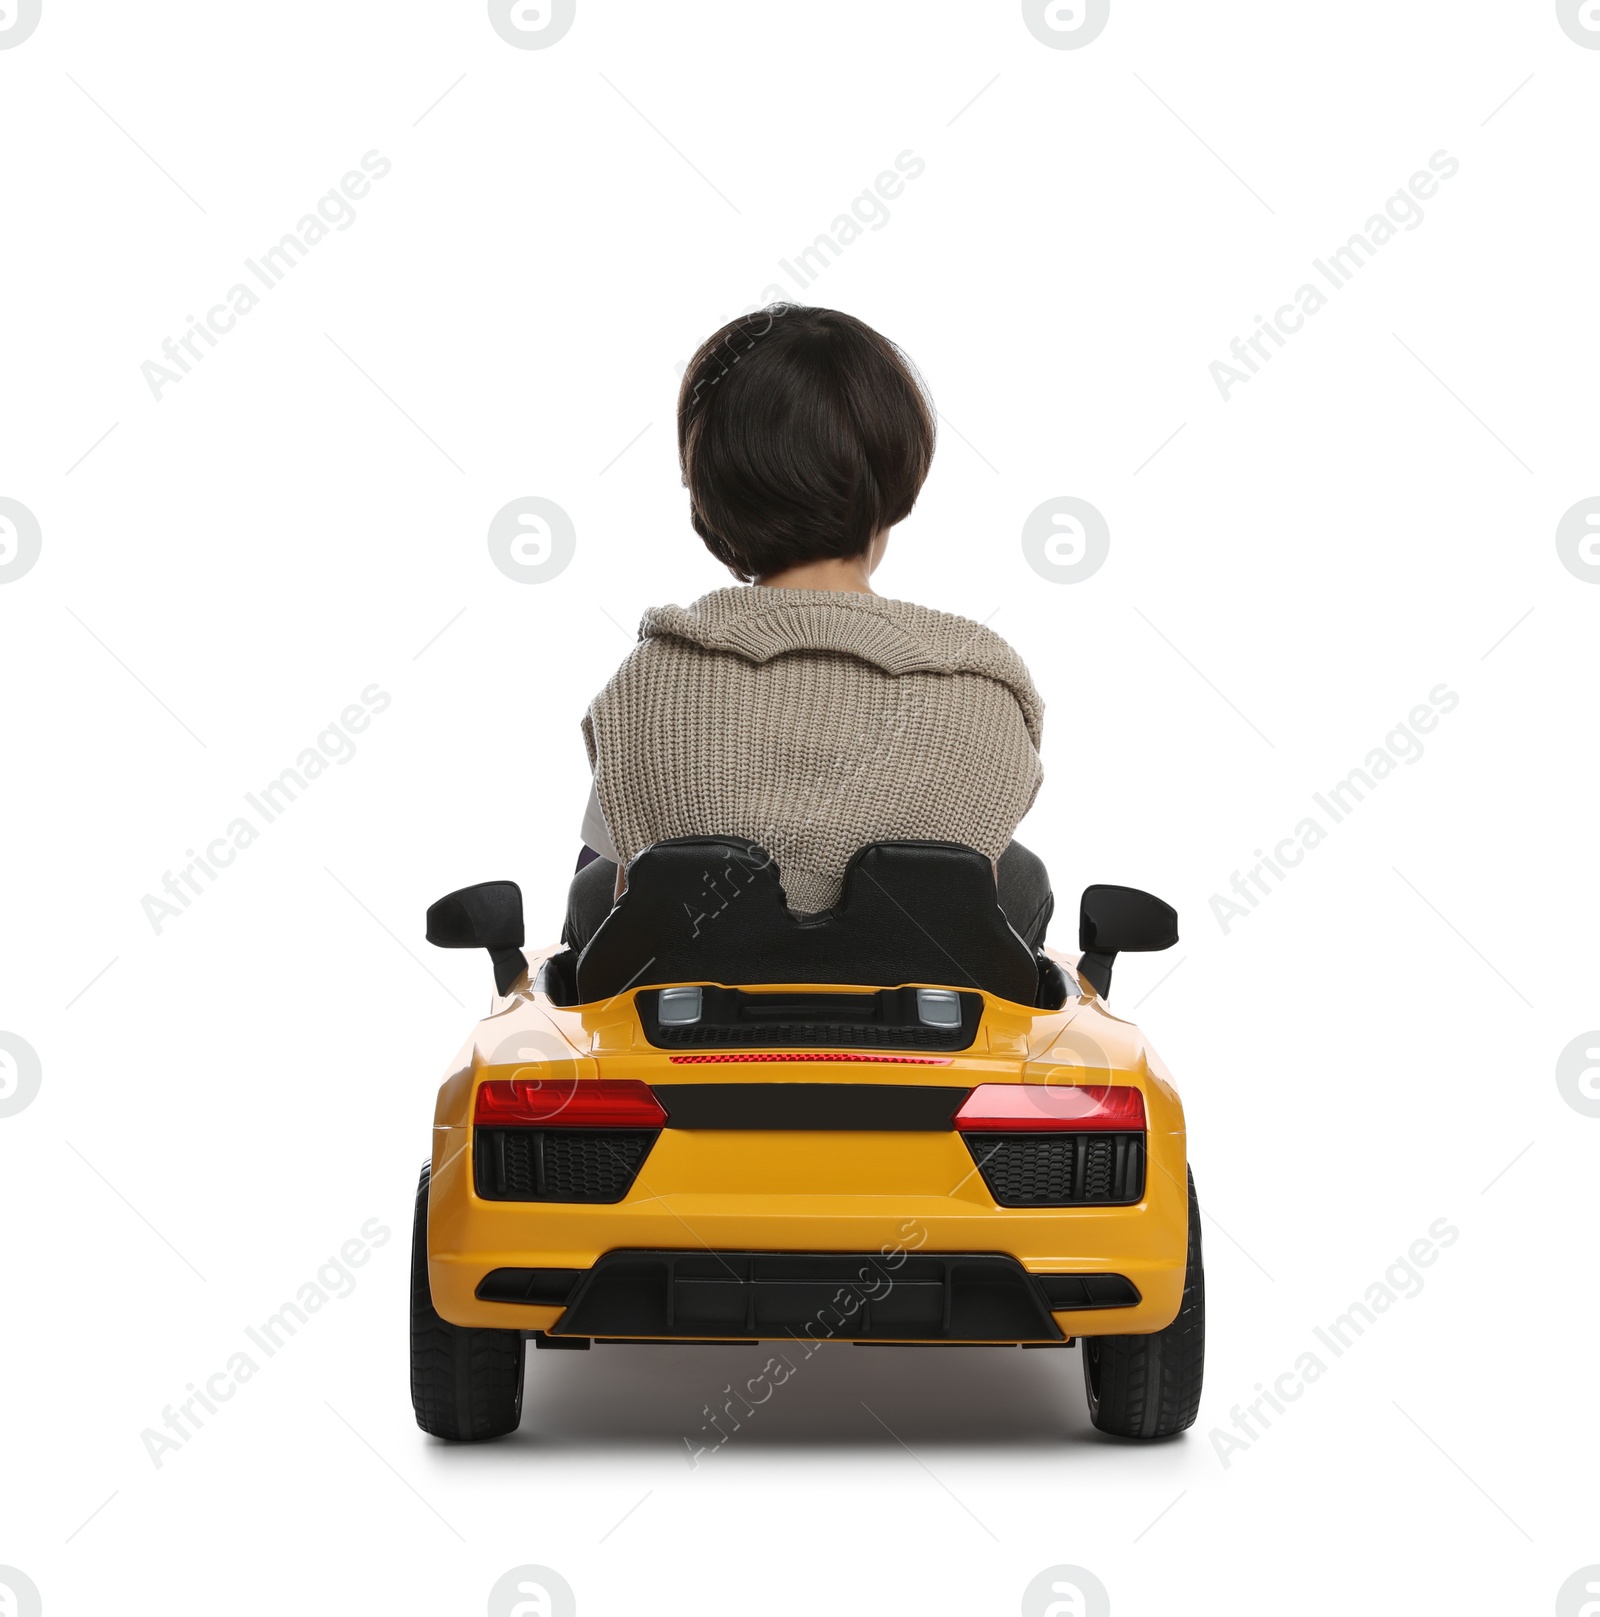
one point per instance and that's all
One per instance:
(712, 909)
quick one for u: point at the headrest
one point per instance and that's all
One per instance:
(712, 910)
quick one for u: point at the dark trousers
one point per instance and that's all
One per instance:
(1024, 891)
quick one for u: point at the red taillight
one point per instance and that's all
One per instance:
(570, 1103)
(1023, 1108)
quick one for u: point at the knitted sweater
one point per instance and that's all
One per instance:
(814, 722)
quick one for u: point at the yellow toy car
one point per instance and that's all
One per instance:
(889, 1123)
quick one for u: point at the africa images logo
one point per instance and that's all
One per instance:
(531, 540)
(20, 1077)
(18, 19)
(1066, 1591)
(532, 1591)
(1065, 540)
(20, 540)
(1580, 22)
(1578, 1074)
(19, 1594)
(530, 25)
(1578, 539)
(1066, 25)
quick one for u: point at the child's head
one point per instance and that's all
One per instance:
(803, 435)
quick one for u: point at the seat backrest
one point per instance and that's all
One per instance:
(712, 909)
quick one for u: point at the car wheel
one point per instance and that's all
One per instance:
(466, 1383)
(1149, 1386)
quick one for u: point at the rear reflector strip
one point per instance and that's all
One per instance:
(787, 1056)
(575, 1103)
(1024, 1108)
(786, 1100)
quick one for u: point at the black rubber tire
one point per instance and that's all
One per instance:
(466, 1383)
(1149, 1386)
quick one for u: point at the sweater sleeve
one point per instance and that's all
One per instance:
(596, 833)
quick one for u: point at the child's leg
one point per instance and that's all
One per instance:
(1025, 896)
(589, 899)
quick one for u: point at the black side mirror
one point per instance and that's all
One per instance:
(1114, 919)
(488, 916)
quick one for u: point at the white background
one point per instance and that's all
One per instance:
(305, 515)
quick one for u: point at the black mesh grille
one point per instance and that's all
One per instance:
(515, 1156)
(1097, 1175)
(1060, 1170)
(559, 1165)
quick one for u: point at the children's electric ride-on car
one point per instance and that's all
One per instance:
(888, 1123)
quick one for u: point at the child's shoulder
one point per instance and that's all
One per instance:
(899, 638)
(752, 616)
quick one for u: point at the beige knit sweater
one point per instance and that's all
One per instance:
(814, 722)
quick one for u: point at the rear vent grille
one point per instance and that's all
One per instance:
(737, 1018)
(800, 1034)
(1060, 1169)
(559, 1165)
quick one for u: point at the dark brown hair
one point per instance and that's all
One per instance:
(802, 434)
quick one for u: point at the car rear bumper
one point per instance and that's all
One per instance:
(750, 1198)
